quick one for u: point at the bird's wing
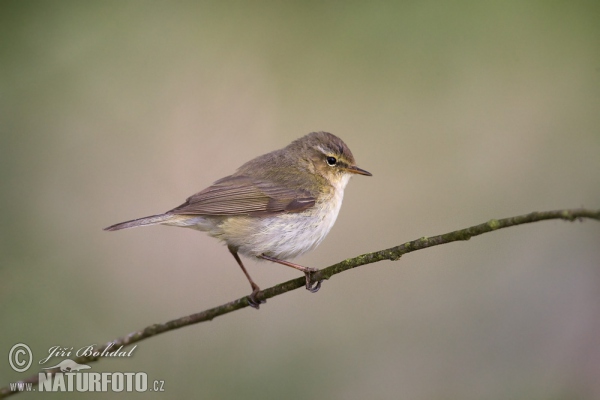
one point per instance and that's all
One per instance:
(241, 195)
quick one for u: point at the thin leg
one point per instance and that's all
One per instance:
(307, 272)
(252, 301)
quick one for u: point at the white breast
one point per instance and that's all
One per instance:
(286, 236)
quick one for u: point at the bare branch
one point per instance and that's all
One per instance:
(392, 254)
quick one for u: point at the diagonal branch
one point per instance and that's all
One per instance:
(393, 254)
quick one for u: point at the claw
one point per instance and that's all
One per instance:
(315, 288)
(253, 301)
(309, 283)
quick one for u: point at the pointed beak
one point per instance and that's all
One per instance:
(353, 169)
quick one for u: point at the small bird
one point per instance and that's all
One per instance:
(275, 207)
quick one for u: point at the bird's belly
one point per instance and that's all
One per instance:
(282, 236)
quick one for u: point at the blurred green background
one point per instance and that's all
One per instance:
(463, 112)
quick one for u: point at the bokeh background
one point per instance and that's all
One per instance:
(463, 112)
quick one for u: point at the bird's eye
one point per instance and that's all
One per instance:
(331, 161)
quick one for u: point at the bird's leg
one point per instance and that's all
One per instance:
(307, 272)
(252, 300)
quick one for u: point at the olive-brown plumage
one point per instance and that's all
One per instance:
(274, 207)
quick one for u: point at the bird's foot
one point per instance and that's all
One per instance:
(253, 301)
(309, 281)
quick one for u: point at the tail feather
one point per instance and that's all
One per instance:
(151, 220)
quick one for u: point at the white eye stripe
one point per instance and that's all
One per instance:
(325, 151)
(329, 159)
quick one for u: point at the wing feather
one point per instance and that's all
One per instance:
(241, 195)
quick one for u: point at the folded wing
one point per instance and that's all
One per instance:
(240, 195)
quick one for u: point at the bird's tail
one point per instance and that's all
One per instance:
(151, 220)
